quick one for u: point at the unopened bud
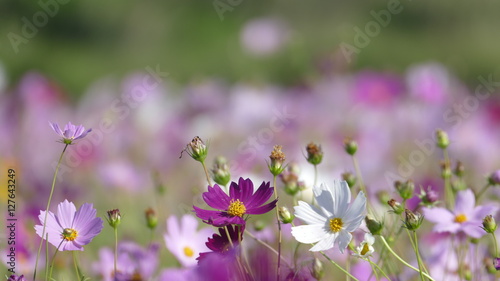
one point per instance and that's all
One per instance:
(220, 171)
(429, 197)
(196, 149)
(496, 263)
(459, 169)
(277, 160)
(151, 218)
(114, 218)
(285, 215)
(445, 170)
(375, 227)
(489, 224)
(349, 178)
(397, 208)
(259, 225)
(405, 190)
(350, 146)
(317, 269)
(413, 220)
(494, 178)
(314, 153)
(290, 179)
(442, 140)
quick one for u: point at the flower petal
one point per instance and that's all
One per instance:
(438, 215)
(482, 211)
(473, 229)
(246, 189)
(355, 213)
(66, 213)
(465, 202)
(309, 214)
(326, 243)
(325, 199)
(56, 128)
(309, 233)
(262, 209)
(263, 193)
(344, 239)
(216, 198)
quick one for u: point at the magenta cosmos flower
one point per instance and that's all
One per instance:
(70, 229)
(70, 133)
(465, 217)
(240, 202)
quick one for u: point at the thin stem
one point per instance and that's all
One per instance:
(338, 266)
(206, 173)
(52, 263)
(482, 191)
(229, 237)
(116, 249)
(495, 243)
(263, 243)
(358, 175)
(315, 175)
(76, 267)
(401, 260)
(348, 267)
(47, 209)
(374, 265)
(417, 252)
(279, 229)
(449, 196)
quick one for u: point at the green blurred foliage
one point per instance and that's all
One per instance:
(86, 40)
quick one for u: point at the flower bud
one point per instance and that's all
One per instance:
(220, 171)
(405, 190)
(496, 263)
(494, 178)
(413, 220)
(350, 146)
(285, 215)
(290, 179)
(459, 169)
(349, 178)
(314, 153)
(259, 225)
(151, 218)
(445, 170)
(317, 269)
(442, 140)
(159, 186)
(489, 224)
(429, 197)
(383, 196)
(397, 208)
(196, 149)
(114, 218)
(277, 159)
(374, 226)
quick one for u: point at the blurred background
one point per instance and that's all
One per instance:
(148, 76)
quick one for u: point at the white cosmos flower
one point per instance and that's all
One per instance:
(365, 249)
(333, 220)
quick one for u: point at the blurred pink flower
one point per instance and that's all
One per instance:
(264, 36)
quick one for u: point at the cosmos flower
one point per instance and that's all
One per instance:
(70, 229)
(333, 221)
(365, 248)
(183, 239)
(240, 202)
(465, 217)
(220, 244)
(70, 133)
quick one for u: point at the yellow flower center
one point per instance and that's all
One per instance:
(365, 249)
(461, 218)
(69, 234)
(336, 224)
(236, 208)
(188, 252)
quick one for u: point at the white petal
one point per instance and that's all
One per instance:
(309, 233)
(369, 238)
(309, 214)
(344, 239)
(341, 197)
(355, 213)
(325, 244)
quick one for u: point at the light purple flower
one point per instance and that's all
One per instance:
(14, 277)
(240, 202)
(70, 229)
(465, 217)
(70, 133)
(183, 239)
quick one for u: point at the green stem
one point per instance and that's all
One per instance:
(348, 268)
(417, 252)
(358, 175)
(495, 243)
(482, 191)
(116, 249)
(338, 266)
(379, 269)
(76, 267)
(449, 195)
(206, 173)
(47, 209)
(279, 229)
(315, 175)
(401, 260)
(52, 263)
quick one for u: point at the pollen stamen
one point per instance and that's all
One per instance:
(336, 224)
(236, 208)
(461, 218)
(69, 234)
